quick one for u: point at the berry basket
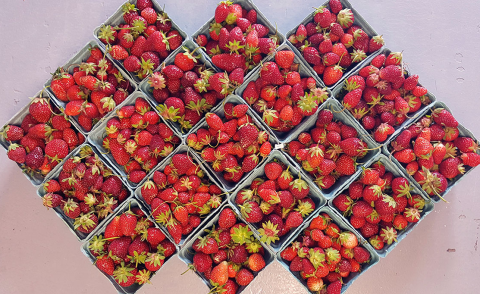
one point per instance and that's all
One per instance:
(187, 252)
(212, 179)
(345, 118)
(261, 19)
(463, 132)
(229, 186)
(35, 178)
(397, 172)
(68, 221)
(131, 203)
(339, 92)
(314, 194)
(147, 89)
(117, 19)
(359, 21)
(96, 139)
(80, 57)
(347, 282)
(304, 70)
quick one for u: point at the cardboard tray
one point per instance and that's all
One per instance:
(212, 179)
(124, 207)
(68, 221)
(314, 193)
(397, 172)
(374, 258)
(78, 58)
(464, 132)
(97, 136)
(305, 71)
(359, 21)
(117, 19)
(347, 119)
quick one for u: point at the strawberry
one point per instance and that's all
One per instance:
(284, 58)
(105, 264)
(332, 74)
(219, 273)
(227, 219)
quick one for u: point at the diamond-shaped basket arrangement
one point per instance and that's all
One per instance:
(79, 154)
(96, 138)
(131, 203)
(345, 118)
(77, 60)
(336, 219)
(117, 19)
(36, 178)
(261, 19)
(414, 190)
(183, 149)
(187, 252)
(228, 185)
(314, 194)
(425, 102)
(358, 21)
(462, 132)
(304, 70)
(146, 88)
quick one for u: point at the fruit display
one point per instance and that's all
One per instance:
(181, 194)
(130, 249)
(135, 139)
(89, 86)
(325, 256)
(226, 255)
(187, 87)
(382, 96)
(39, 137)
(382, 205)
(435, 150)
(139, 37)
(231, 142)
(238, 37)
(334, 39)
(283, 92)
(84, 192)
(330, 149)
(237, 147)
(275, 200)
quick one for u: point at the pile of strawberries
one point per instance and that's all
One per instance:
(380, 205)
(236, 40)
(144, 41)
(381, 97)
(138, 140)
(186, 90)
(131, 248)
(324, 254)
(278, 203)
(331, 43)
(233, 145)
(432, 151)
(180, 195)
(228, 254)
(329, 150)
(85, 190)
(44, 138)
(93, 90)
(281, 95)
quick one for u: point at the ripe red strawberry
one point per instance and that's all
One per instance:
(105, 264)
(57, 149)
(445, 118)
(284, 58)
(128, 223)
(227, 219)
(332, 74)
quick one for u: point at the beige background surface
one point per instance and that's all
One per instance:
(441, 43)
